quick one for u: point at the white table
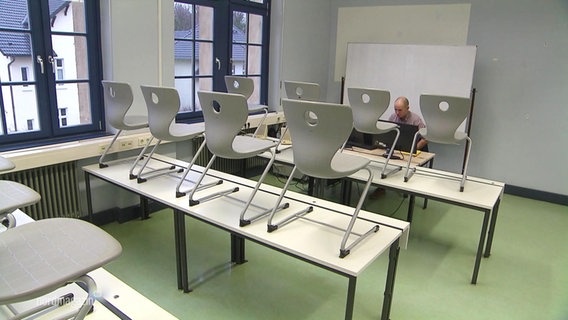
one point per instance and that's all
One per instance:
(307, 241)
(480, 194)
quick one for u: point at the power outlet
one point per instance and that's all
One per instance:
(143, 141)
(102, 148)
(126, 144)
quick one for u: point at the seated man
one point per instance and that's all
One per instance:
(402, 114)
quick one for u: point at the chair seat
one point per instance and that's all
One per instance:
(246, 147)
(41, 256)
(6, 164)
(385, 126)
(345, 165)
(253, 107)
(458, 137)
(182, 132)
(133, 122)
(15, 195)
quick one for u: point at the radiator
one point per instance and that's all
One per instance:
(57, 185)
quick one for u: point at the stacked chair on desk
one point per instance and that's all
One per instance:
(118, 99)
(319, 130)
(38, 257)
(245, 86)
(299, 90)
(368, 106)
(224, 115)
(163, 105)
(442, 126)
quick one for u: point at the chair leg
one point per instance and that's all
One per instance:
(91, 290)
(261, 122)
(344, 251)
(102, 164)
(131, 174)
(242, 220)
(273, 226)
(193, 202)
(180, 193)
(383, 175)
(154, 172)
(409, 172)
(464, 174)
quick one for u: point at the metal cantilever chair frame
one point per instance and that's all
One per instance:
(118, 99)
(318, 130)
(368, 106)
(441, 127)
(163, 104)
(225, 115)
(299, 90)
(245, 86)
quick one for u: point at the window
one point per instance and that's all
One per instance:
(216, 38)
(55, 46)
(59, 72)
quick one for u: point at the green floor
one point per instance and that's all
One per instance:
(526, 276)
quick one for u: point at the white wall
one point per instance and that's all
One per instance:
(519, 124)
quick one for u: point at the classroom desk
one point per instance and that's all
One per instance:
(114, 298)
(304, 240)
(480, 194)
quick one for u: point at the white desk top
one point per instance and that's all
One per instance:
(305, 239)
(120, 295)
(479, 193)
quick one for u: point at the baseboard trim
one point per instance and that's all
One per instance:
(537, 194)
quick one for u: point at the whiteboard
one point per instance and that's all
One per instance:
(410, 70)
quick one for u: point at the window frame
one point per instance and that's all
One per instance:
(46, 84)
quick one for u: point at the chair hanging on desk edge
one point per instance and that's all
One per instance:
(118, 99)
(225, 115)
(368, 106)
(442, 115)
(163, 104)
(318, 130)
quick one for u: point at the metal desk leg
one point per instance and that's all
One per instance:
(237, 249)
(486, 215)
(492, 228)
(410, 208)
(89, 199)
(181, 251)
(391, 275)
(144, 208)
(350, 298)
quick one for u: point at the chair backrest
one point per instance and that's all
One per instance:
(224, 115)
(241, 85)
(302, 90)
(318, 130)
(163, 105)
(442, 116)
(118, 99)
(368, 106)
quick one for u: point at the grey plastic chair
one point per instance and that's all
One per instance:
(163, 104)
(302, 90)
(368, 106)
(224, 115)
(13, 195)
(118, 100)
(441, 126)
(39, 257)
(245, 86)
(316, 147)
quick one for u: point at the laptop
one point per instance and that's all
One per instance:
(384, 140)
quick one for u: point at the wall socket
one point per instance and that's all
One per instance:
(126, 144)
(142, 141)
